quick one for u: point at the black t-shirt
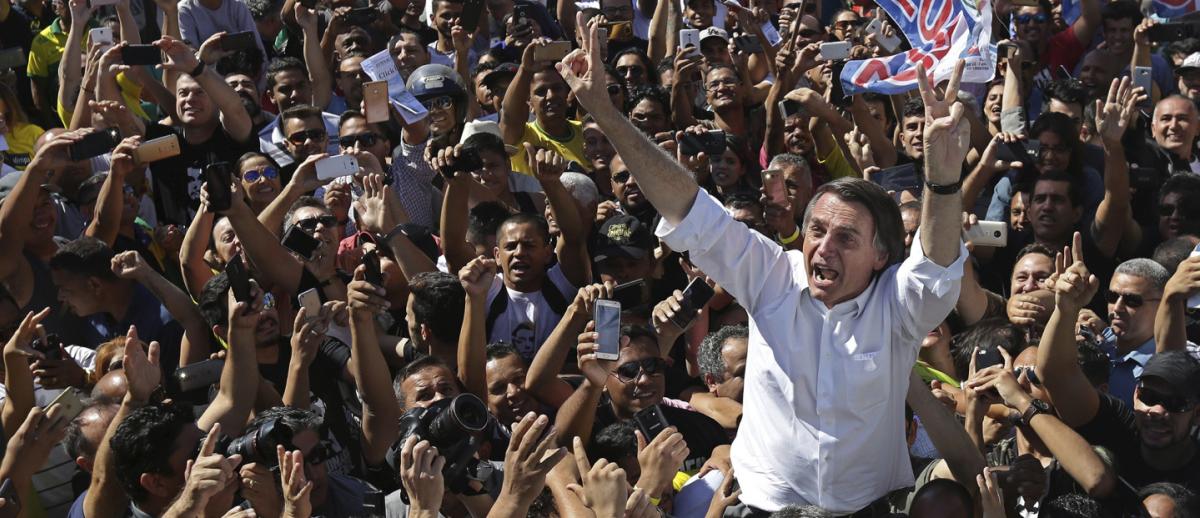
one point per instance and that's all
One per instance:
(701, 432)
(1113, 427)
(177, 180)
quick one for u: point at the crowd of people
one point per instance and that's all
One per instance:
(967, 300)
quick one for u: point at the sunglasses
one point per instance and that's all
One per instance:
(301, 137)
(366, 139)
(1166, 211)
(440, 103)
(1133, 301)
(253, 175)
(629, 371)
(621, 177)
(1172, 404)
(1026, 18)
(310, 224)
(1030, 374)
(807, 33)
(631, 71)
(613, 89)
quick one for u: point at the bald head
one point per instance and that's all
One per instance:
(1174, 125)
(112, 386)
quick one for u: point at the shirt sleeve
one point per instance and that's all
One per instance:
(926, 291)
(188, 30)
(751, 267)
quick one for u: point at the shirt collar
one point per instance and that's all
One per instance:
(853, 306)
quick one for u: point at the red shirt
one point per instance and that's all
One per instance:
(1064, 49)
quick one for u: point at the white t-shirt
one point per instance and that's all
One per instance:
(528, 319)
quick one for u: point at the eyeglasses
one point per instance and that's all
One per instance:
(808, 33)
(631, 71)
(301, 137)
(621, 177)
(440, 102)
(1131, 300)
(1026, 18)
(1030, 374)
(613, 89)
(1184, 211)
(1172, 404)
(630, 371)
(716, 85)
(847, 24)
(366, 139)
(310, 224)
(253, 175)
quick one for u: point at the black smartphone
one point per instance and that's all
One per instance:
(361, 16)
(8, 491)
(51, 347)
(521, 18)
(748, 43)
(630, 294)
(788, 108)
(1143, 179)
(239, 279)
(985, 358)
(141, 55)
(219, 176)
(466, 162)
(838, 96)
(297, 240)
(94, 144)
(1173, 31)
(711, 142)
(470, 15)
(12, 57)
(239, 41)
(651, 422)
(898, 178)
(695, 296)
(373, 274)
(199, 375)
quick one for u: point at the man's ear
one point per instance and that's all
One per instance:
(219, 331)
(426, 332)
(84, 463)
(711, 382)
(155, 484)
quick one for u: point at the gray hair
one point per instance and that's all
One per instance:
(789, 159)
(805, 511)
(709, 357)
(582, 188)
(1146, 269)
(889, 230)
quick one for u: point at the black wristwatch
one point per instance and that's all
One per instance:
(944, 189)
(1035, 407)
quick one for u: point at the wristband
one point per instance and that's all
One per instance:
(198, 70)
(790, 239)
(944, 189)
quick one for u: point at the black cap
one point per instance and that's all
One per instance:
(623, 236)
(502, 70)
(1178, 369)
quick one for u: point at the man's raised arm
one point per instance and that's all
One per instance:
(667, 184)
(947, 137)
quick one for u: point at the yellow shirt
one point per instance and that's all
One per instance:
(131, 93)
(46, 51)
(20, 138)
(837, 166)
(570, 149)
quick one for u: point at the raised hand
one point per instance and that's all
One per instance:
(991, 496)
(296, 488)
(364, 298)
(1185, 281)
(53, 155)
(989, 159)
(724, 497)
(309, 333)
(999, 380)
(211, 51)
(421, 474)
(477, 277)
(130, 265)
(259, 487)
(209, 473)
(604, 488)
(660, 459)
(583, 69)
(21, 342)
(30, 446)
(1072, 283)
(81, 11)
(244, 315)
(179, 55)
(547, 165)
(530, 457)
(142, 373)
(586, 297)
(1115, 114)
(947, 133)
(378, 208)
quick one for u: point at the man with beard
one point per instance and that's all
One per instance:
(1189, 77)
(407, 51)
(539, 87)
(447, 14)
(630, 199)
(247, 91)
(292, 82)
(349, 77)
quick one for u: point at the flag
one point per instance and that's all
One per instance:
(1070, 11)
(1174, 8)
(941, 33)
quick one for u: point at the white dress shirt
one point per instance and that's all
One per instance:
(823, 414)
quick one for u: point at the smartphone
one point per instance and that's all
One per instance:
(520, 17)
(889, 43)
(774, 186)
(311, 302)
(336, 166)
(70, 403)
(466, 162)
(631, 294)
(748, 43)
(711, 142)
(362, 16)
(101, 36)
(1173, 31)
(141, 55)
(988, 233)
(1193, 302)
(94, 144)
(470, 15)
(297, 240)
(13, 57)
(834, 51)
(199, 375)
(1141, 78)
(373, 274)
(219, 176)
(239, 41)
(375, 96)
(8, 491)
(788, 108)
(50, 347)
(898, 178)
(239, 279)
(157, 149)
(985, 358)
(651, 422)
(695, 296)
(690, 37)
(607, 316)
(1017, 152)
(552, 51)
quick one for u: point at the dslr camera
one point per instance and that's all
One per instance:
(455, 426)
(259, 446)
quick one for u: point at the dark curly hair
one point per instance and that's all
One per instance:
(86, 256)
(144, 441)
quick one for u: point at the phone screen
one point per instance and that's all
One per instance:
(373, 274)
(239, 41)
(773, 184)
(629, 295)
(297, 240)
(141, 55)
(219, 176)
(239, 279)
(94, 144)
(608, 328)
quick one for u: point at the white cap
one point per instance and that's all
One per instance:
(1190, 62)
(714, 32)
(476, 127)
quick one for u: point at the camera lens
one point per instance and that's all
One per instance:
(996, 234)
(465, 415)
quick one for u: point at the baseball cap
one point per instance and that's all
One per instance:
(623, 236)
(9, 182)
(1192, 62)
(714, 32)
(1178, 369)
(502, 70)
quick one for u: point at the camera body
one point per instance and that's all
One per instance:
(259, 446)
(455, 426)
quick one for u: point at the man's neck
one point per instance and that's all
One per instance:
(529, 286)
(200, 133)
(447, 352)
(1172, 457)
(444, 44)
(1053, 244)
(117, 298)
(211, 5)
(557, 128)
(1126, 343)
(267, 353)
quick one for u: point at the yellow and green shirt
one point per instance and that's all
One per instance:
(571, 148)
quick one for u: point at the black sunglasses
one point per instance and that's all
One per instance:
(621, 177)
(310, 224)
(366, 139)
(1184, 211)
(1131, 300)
(613, 89)
(1172, 404)
(1030, 374)
(301, 137)
(629, 371)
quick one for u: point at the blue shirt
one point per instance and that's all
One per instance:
(1125, 367)
(153, 321)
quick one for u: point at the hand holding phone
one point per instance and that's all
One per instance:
(552, 51)
(94, 144)
(834, 51)
(373, 273)
(239, 279)
(69, 403)
(336, 166)
(651, 422)
(141, 55)
(607, 316)
(219, 177)
(775, 186)
(695, 296)
(239, 41)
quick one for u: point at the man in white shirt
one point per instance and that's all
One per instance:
(834, 331)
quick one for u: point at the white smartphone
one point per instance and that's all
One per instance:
(101, 36)
(311, 302)
(70, 403)
(1141, 78)
(607, 316)
(336, 166)
(1194, 301)
(988, 233)
(157, 149)
(889, 44)
(834, 50)
(690, 37)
